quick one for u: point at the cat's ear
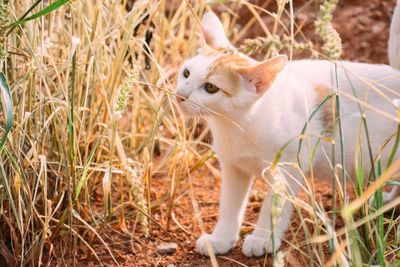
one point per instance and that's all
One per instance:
(263, 74)
(213, 32)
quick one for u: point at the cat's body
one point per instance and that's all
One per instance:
(255, 109)
(281, 113)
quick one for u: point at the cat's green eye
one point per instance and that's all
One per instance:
(186, 73)
(211, 88)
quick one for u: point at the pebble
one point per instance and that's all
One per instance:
(363, 19)
(167, 248)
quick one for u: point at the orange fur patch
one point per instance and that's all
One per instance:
(232, 60)
(224, 75)
(328, 114)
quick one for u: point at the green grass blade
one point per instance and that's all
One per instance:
(394, 149)
(380, 239)
(8, 106)
(50, 8)
(83, 178)
(12, 27)
(313, 113)
(341, 133)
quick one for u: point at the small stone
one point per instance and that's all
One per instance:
(363, 19)
(170, 265)
(167, 248)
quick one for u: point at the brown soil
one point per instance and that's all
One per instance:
(363, 26)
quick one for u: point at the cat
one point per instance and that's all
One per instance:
(255, 108)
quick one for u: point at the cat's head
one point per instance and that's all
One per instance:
(219, 80)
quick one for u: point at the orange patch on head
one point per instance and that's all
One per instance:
(328, 114)
(231, 60)
(224, 75)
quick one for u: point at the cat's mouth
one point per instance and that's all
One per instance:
(191, 108)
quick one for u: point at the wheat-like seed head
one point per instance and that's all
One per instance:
(332, 42)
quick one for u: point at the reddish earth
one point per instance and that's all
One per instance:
(363, 26)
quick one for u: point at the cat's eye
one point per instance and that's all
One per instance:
(186, 73)
(211, 88)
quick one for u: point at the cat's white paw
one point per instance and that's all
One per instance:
(220, 245)
(255, 245)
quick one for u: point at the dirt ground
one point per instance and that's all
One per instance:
(363, 26)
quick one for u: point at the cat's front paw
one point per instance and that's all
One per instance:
(255, 245)
(220, 245)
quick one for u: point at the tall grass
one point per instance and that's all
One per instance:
(92, 116)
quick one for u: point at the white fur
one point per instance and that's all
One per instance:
(249, 129)
(394, 38)
(212, 26)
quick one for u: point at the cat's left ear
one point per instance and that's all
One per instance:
(213, 32)
(263, 74)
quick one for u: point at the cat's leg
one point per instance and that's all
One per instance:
(264, 238)
(235, 190)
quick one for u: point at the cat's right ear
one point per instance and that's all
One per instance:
(264, 73)
(213, 32)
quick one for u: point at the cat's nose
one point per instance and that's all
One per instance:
(180, 98)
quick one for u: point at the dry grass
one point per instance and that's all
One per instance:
(94, 118)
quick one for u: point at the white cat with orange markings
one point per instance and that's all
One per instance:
(255, 108)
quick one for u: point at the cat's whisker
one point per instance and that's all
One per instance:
(203, 110)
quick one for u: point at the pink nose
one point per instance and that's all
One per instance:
(180, 98)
